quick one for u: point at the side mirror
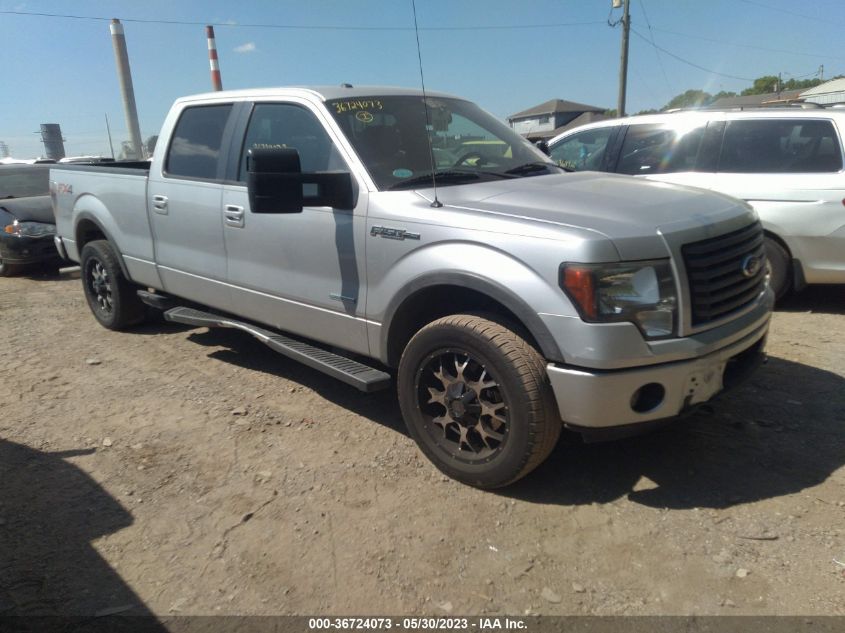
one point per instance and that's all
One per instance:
(543, 146)
(276, 184)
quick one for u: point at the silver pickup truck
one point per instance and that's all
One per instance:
(373, 232)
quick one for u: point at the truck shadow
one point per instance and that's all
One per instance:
(780, 433)
(244, 351)
(50, 512)
(821, 299)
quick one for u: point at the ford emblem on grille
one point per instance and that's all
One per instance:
(750, 266)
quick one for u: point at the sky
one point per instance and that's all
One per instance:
(506, 55)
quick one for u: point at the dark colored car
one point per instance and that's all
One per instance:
(27, 226)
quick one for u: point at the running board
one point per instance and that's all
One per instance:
(351, 372)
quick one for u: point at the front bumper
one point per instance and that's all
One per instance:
(603, 399)
(22, 249)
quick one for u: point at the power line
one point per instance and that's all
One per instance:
(656, 52)
(303, 27)
(759, 48)
(686, 61)
(795, 13)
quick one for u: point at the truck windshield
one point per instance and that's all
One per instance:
(468, 145)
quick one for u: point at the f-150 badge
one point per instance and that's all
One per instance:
(393, 234)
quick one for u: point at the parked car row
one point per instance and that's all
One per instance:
(27, 226)
(784, 162)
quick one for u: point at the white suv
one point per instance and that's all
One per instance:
(787, 163)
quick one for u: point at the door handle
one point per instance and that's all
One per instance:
(160, 204)
(234, 215)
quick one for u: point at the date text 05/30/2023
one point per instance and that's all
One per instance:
(418, 624)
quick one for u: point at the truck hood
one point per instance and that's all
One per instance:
(636, 215)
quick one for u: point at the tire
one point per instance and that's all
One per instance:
(10, 270)
(111, 297)
(780, 268)
(476, 399)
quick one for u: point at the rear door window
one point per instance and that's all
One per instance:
(780, 146)
(659, 149)
(583, 151)
(195, 148)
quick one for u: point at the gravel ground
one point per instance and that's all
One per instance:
(191, 471)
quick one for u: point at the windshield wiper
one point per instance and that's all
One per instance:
(451, 176)
(441, 176)
(528, 168)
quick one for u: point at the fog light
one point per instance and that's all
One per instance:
(648, 397)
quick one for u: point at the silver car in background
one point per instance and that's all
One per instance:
(787, 163)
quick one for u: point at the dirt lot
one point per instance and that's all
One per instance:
(187, 471)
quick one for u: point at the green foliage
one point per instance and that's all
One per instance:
(762, 85)
(722, 94)
(689, 99)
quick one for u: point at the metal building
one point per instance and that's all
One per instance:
(826, 93)
(54, 144)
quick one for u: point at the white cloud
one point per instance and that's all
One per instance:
(249, 47)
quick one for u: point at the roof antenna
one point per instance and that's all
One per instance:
(436, 204)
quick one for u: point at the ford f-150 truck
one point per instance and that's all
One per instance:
(377, 232)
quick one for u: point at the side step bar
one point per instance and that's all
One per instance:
(351, 372)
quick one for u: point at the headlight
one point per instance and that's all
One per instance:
(642, 293)
(29, 229)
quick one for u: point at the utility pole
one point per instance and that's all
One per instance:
(623, 62)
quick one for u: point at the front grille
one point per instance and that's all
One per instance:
(718, 284)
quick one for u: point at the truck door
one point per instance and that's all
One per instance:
(184, 206)
(299, 272)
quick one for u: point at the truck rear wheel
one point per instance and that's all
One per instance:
(111, 297)
(476, 399)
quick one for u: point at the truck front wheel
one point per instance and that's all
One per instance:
(476, 399)
(111, 297)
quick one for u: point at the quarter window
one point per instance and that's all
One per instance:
(780, 146)
(583, 151)
(195, 149)
(659, 149)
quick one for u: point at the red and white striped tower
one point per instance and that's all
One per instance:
(216, 82)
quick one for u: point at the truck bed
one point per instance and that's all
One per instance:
(135, 167)
(112, 197)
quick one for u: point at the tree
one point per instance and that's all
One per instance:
(761, 86)
(722, 94)
(689, 99)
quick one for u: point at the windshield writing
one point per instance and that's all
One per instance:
(399, 148)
